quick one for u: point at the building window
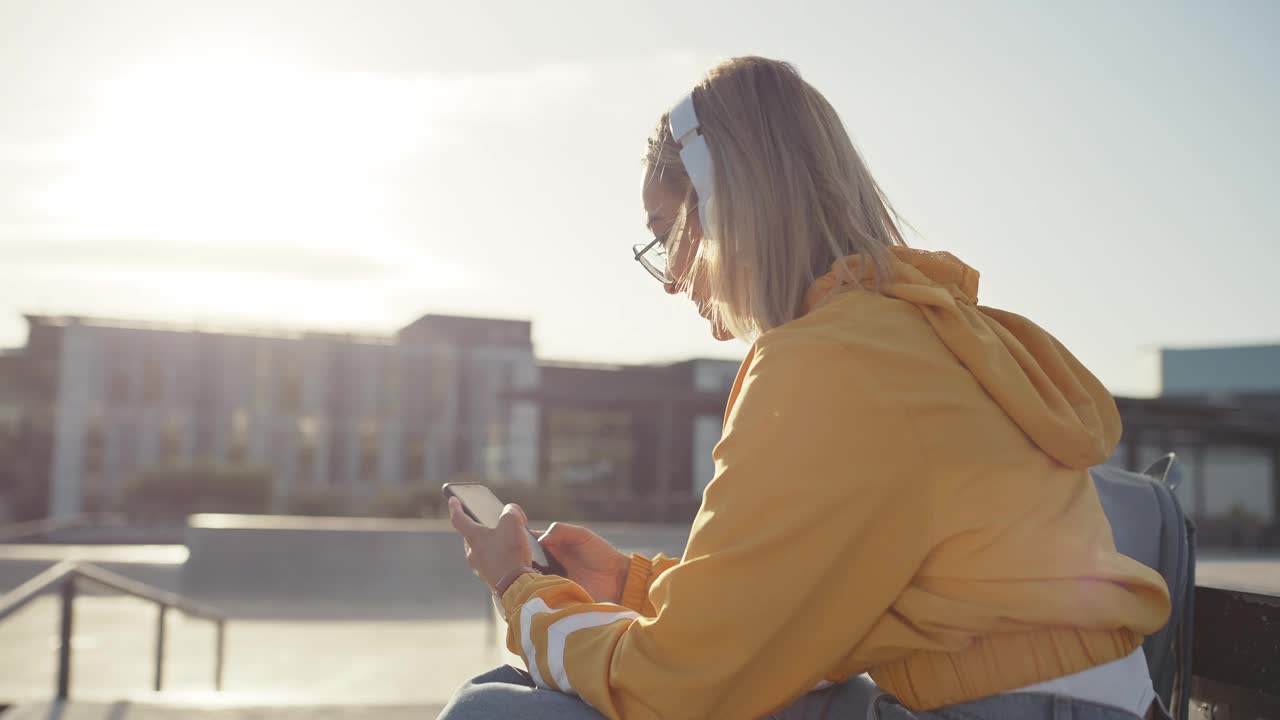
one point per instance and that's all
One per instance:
(238, 447)
(370, 448)
(118, 387)
(440, 381)
(291, 385)
(203, 447)
(590, 448)
(261, 375)
(95, 449)
(307, 435)
(415, 459)
(391, 388)
(307, 464)
(152, 380)
(171, 440)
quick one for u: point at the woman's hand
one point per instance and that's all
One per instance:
(494, 553)
(589, 560)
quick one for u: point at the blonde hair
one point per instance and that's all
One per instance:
(792, 195)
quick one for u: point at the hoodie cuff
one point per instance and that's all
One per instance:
(513, 596)
(637, 586)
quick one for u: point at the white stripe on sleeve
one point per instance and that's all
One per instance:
(560, 631)
(536, 606)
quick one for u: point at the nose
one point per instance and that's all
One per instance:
(671, 288)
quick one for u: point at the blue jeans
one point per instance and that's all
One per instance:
(509, 693)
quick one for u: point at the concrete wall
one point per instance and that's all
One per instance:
(352, 567)
(339, 568)
(158, 566)
(296, 567)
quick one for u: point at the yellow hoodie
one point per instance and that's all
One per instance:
(901, 489)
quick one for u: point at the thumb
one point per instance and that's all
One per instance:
(553, 535)
(560, 534)
(513, 510)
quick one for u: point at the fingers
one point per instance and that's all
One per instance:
(461, 521)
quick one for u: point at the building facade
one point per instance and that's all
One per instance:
(1219, 411)
(11, 419)
(631, 442)
(88, 405)
(1223, 372)
(353, 416)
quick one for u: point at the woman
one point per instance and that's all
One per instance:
(901, 488)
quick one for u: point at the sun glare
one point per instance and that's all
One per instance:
(236, 149)
(224, 150)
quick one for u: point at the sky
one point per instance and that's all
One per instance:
(1112, 169)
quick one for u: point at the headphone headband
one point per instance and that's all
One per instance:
(695, 155)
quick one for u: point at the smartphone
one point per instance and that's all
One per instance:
(484, 507)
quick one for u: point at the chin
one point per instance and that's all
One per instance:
(721, 334)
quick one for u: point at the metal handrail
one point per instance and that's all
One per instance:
(63, 577)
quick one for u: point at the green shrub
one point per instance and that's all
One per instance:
(417, 501)
(320, 503)
(180, 490)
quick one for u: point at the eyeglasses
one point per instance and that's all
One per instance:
(654, 259)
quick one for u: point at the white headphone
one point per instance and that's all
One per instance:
(695, 155)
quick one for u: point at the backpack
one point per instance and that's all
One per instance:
(1149, 525)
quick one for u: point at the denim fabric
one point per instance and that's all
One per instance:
(509, 693)
(859, 698)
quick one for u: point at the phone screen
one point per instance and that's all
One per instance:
(484, 507)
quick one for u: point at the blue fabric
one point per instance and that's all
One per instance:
(859, 698)
(509, 693)
(1182, 703)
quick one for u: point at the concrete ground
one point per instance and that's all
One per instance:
(324, 612)
(316, 662)
(268, 663)
(1241, 570)
(404, 626)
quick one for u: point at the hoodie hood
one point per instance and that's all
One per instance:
(1038, 383)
